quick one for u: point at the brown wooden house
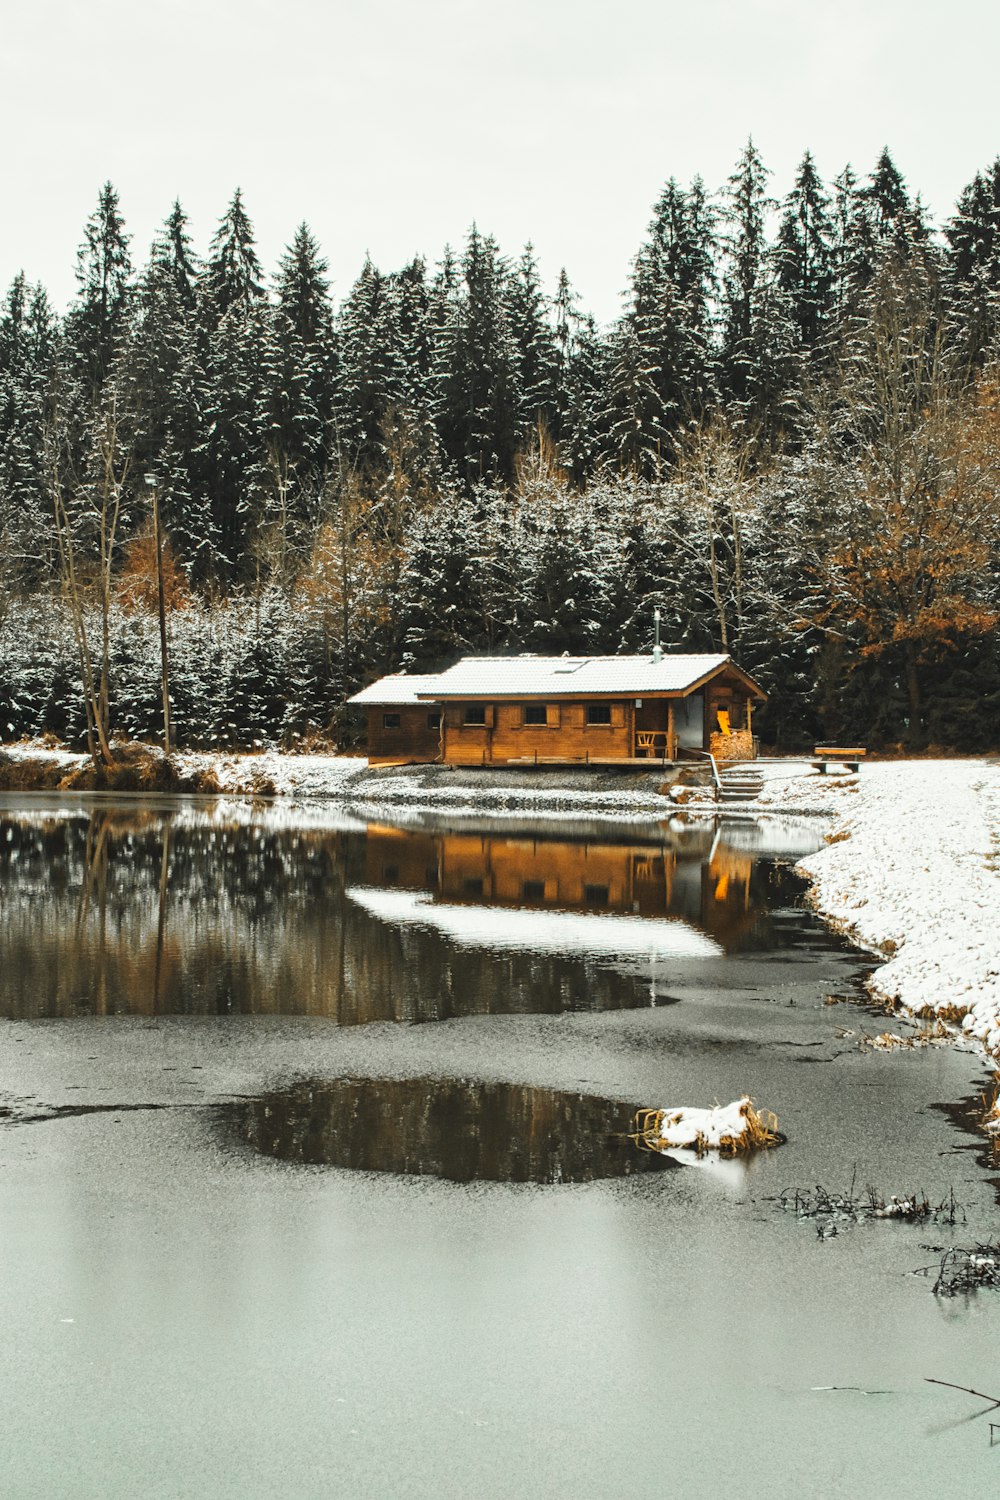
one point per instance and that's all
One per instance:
(402, 726)
(526, 710)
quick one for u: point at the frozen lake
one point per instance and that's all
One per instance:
(312, 1172)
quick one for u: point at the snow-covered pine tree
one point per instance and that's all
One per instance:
(97, 320)
(232, 314)
(973, 269)
(297, 393)
(478, 396)
(534, 341)
(746, 269)
(304, 331)
(662, 377)
(804, 257)
(161, 377)
(27, 330)
(232, 274)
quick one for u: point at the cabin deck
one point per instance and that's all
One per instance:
(632, 762)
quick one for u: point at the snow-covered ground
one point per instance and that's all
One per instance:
(911, 871)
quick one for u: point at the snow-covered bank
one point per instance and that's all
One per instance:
(350, 779)
(912, 873)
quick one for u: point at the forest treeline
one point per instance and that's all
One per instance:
(789, 443)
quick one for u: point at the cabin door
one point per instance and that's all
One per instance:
(690, 721)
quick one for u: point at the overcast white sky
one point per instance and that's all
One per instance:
(391, 125)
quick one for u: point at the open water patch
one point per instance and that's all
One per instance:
(459, 1129)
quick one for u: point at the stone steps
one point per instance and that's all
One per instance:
(741, 784)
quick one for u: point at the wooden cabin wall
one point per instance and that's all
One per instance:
(565, 736)
(416, 739)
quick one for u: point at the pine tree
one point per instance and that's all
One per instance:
(890, 210)
(879, 220)
(364, 384)
(745, 261)
(103, 270)
(535, 346)
(232, 274)
(162, 378)
(27, 331)
(478, 394)
(746, 251)
(172, 255)
(662, 375)
(973, 268)
(638, 440)
(232, 317)
(584, 409)
(760, 354)
(805, 256)
(298, 391)
(235, 447)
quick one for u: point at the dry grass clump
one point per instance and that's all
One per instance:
(962, 1271)
(928, 1035)
(262, 786)
(316, 742)
(951, 1013)
(832, 1211)
(28, 775)
(134, 768)
(204, 782)
(650, 1130)
(838, 836)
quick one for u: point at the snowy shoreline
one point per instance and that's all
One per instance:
(910, 872)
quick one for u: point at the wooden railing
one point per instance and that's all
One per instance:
(705, 755)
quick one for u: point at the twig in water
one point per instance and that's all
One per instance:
(980, 1395)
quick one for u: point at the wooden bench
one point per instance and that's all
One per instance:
(826, 755)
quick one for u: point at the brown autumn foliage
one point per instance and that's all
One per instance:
(136, 584)
(919, 533)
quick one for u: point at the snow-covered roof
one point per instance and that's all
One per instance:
(575, 676)
(552, 677)
(399, 688)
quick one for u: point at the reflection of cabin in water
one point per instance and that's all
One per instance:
(634, 879)
(533, 710)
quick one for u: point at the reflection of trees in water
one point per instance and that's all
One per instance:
(462, 1130)
(142, 911)
(146, 913)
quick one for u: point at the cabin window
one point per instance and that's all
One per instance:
(596, 895)
(473, 885)
(536, 713)
(434, 720)
(390, 721)
(533, 890)
(598, 713)
(475, 713)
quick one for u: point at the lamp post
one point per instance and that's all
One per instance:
(153, 487)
